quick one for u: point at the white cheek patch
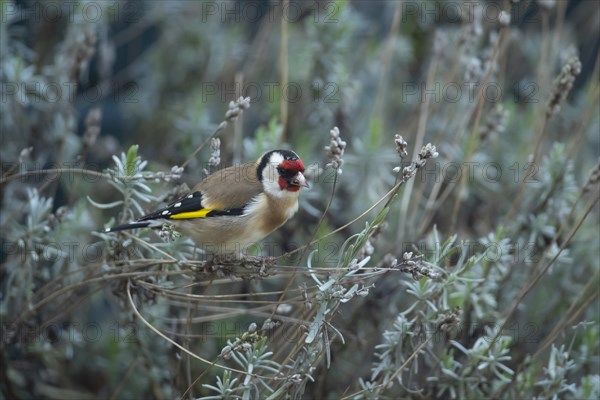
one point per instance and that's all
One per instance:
(270, 178)
(271, 174)
(272, 185)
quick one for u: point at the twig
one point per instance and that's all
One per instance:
(180, 347)
(58, 171)
(533, 281)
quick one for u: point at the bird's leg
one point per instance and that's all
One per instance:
(265, 262)
(209, 264)
(263, 267)
(214, 261)
(222, 260)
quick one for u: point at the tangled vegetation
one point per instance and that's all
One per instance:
(447, 248)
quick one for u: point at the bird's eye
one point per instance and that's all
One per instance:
(285, 173)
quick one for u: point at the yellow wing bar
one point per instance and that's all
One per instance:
(191, 214)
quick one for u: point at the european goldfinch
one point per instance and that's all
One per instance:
(236, 206)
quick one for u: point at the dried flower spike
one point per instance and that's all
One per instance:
(226, 352)
(236, 108)
(93, 120)
(269, 324)
(428, 151)
(411, 264)
(449, 319)
(563, 85)
(504, 18)
(215, 152)
(474, 69)
(25, 154)
(593, 179)
(440, 41)
(401, 146)
(335, 150)
(546, 5)
(495, 123)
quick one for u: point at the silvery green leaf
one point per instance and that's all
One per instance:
(104, 206)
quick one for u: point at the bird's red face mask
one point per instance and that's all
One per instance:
(290, 175)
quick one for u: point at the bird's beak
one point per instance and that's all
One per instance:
(299, 180)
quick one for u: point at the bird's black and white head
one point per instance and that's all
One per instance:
(280, 172)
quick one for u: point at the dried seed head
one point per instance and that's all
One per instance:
(449, 319)
(283, 309)
(440, 41)
(366, 251)
(546, 5)
(236, 108)
(93, 121)
(563, 85)
(474, 69)
(226, 352)
(25, 154)
(388, 262)
(268, 324)
(504, 18)
(495, 123)
(215, 152)
(412, 264)
(335, 150)
(593, 179)
(428, 151)
(401, 146)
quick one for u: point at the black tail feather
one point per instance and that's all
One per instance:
(124, 227)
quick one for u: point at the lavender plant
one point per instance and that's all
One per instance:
(465, 274)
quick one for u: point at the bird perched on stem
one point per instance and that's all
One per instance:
(236, 206)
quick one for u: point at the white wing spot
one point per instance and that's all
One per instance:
(177, 204)
(190, 196)
(166, 212)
